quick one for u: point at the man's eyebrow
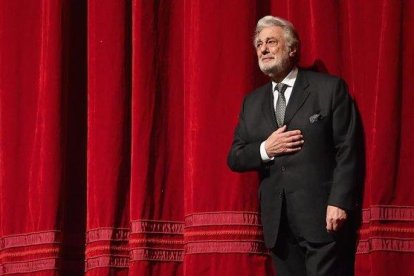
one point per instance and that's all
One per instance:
(267, 38)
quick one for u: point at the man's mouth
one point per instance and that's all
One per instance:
(267, 59)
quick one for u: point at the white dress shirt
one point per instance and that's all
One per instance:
(289, 80)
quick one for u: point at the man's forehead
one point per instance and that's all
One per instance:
(268, 32)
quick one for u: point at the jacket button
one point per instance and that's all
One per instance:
(281, 195)
(283, 168)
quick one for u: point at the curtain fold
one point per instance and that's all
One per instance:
(109, 136)
(157, 207)
(31, 136)
(221, 207)
(116, 118)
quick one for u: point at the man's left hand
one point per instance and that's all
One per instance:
(335, 218)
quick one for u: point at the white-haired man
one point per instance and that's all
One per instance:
(298, 132)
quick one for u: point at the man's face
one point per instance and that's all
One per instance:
(273, 53)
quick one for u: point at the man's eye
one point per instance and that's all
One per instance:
(258, 45)
(271, 42)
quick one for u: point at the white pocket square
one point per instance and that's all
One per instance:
(315, 117)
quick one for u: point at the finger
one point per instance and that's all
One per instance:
(281, 129)
(329, 226)
(292, 139)
(297, 137)
(288, 150)
(295, 144)
(335, 226)
(292, 133)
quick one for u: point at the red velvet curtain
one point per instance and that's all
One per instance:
(116, 118)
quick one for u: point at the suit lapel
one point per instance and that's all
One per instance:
(299, 94)
(268, 108)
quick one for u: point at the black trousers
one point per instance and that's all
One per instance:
(294, 256)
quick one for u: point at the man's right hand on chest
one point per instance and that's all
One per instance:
(283, 142)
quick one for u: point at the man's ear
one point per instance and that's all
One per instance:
(292, 52)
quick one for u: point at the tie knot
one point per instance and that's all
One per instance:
(281, 87)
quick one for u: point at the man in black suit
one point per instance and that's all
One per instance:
(299, 133)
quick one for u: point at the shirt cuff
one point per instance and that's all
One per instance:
(263, 154)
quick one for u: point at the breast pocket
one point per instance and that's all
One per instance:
(317, 117)
(315, 127)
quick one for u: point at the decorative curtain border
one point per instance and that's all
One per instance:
(29, 252)
(384, 228)
(169, 241)
(387, 228)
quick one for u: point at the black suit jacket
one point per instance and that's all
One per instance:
(322, 173)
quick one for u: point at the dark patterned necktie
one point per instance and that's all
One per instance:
(280, 104)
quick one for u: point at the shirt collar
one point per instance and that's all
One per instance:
(289, 80)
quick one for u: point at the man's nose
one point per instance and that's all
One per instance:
(263, 48)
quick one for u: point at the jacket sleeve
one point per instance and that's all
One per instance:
(244, 154)
(344, 126)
